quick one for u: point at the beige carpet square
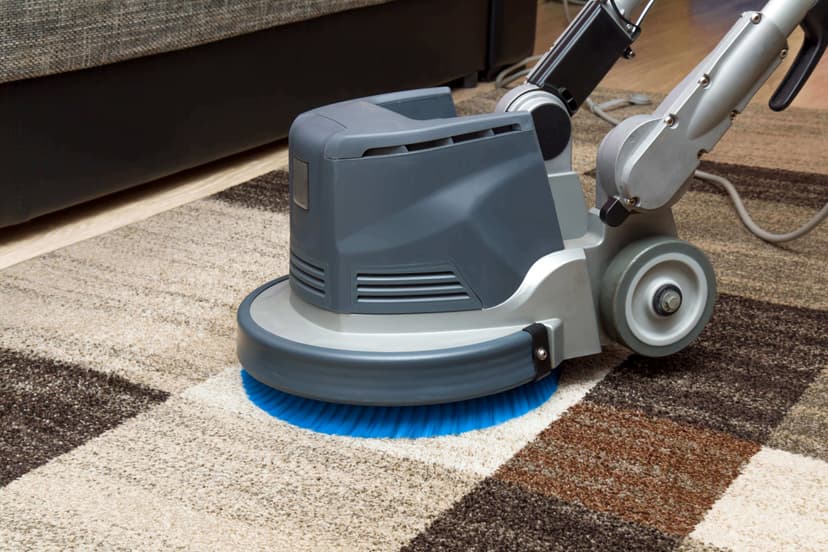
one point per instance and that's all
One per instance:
(779, 502)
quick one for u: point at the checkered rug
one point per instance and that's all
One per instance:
(124, 424)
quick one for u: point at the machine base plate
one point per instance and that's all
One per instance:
(376, 377)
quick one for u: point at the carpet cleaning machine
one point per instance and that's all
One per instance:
(436, 259)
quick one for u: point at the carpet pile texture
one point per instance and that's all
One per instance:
(123, 423)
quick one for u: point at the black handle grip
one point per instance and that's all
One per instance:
(815, 26)
(584, 54)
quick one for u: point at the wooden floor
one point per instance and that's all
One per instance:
(676, 36)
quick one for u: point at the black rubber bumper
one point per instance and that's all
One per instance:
(381, 378)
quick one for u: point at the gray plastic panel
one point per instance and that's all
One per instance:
(423, 104)
(382, 378)
(410, 117)
(392, 195)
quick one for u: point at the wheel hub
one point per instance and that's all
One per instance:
(657, 294)
(667, 300)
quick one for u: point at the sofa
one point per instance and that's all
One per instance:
(102, 95)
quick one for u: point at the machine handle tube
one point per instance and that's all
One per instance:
(586, 51)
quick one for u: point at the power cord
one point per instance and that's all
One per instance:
(567, 13)
(520, 69)
(516, 72)
(754, 228)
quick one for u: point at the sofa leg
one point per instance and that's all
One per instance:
(468, 81)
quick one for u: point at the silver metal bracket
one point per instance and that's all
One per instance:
(646, 162)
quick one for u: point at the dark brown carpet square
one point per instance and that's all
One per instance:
(499, 515)
(48, 408)
(749, 367)
(268, 192)
(805, 429)
(802, 189)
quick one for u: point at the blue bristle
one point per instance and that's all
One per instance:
(403, 421)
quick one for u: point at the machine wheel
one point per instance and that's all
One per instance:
(657, 295)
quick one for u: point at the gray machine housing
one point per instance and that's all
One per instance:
(437, 258)
(478, 199)
(400, 206)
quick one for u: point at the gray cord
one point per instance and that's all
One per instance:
(601, 112)
(566, 10)
(566, 7)
(508, 75)
(746, 219)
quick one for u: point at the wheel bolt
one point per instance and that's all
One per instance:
(667, 300)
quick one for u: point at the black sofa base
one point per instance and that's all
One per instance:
(75, 136)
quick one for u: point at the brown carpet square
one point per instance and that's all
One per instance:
(646, 470)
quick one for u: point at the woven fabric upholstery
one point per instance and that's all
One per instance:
(42, 37)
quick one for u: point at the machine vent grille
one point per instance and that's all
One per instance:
(431, 144)
(410, 288)
(307, 275)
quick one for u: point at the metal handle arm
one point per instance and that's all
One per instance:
(645, 163)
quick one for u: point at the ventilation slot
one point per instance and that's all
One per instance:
(506, 129)
(432, 144)
(307, 276)
(473, 135)
(410, 288)
(391, 150)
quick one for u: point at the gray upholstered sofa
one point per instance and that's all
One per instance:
(100, 95)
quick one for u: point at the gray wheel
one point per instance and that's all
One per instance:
(657, 295)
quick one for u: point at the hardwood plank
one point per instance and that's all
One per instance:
(676, 36)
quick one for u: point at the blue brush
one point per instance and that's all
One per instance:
(398, 422)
